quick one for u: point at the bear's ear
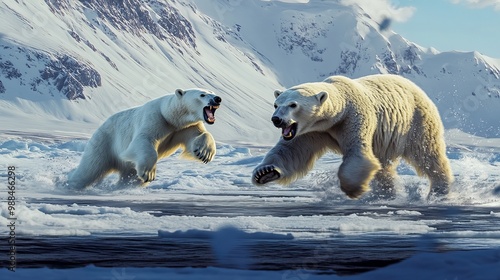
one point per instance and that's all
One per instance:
(322, 97)
(329, 80)
(277, 93)
(179, 92)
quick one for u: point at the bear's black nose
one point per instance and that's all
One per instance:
(277, 121)
(217, 99)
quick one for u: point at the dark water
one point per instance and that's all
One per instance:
(339, 254)
(331, 256)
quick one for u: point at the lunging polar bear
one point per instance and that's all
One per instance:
(372, 121)
(132, 141)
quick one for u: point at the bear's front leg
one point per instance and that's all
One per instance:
(290, 160)
(355, 174)
(203, 147)
(142, 154)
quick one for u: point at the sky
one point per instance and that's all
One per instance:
(446, 25)
(463, 25)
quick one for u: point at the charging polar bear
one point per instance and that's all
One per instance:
(132, 141)
(372, 121)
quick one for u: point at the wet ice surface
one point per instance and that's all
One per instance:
(197, 215)
(347, 249)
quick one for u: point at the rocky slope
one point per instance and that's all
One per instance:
(63, 59)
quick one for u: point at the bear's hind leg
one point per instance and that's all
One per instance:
(89, 171)
(427, 152)
(434, 164)
(439, 173)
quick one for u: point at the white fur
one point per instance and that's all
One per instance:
(372, 121)
(132, 141)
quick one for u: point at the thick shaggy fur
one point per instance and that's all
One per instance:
(132, 141)
(372, 121)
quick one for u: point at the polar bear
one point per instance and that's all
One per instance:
(372, 121)
(132, 141)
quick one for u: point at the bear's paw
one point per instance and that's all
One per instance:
(265, 174)
(148, 174)
(205, 155)
(203, 147)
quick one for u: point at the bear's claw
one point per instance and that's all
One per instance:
(203, 148)
(148, 175)
(265, 174)
(205, 157)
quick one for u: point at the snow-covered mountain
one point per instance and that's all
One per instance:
(74, 63)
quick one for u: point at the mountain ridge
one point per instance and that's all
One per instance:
(131, 51)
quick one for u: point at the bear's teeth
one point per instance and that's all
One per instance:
(209, 113)
(287, 131)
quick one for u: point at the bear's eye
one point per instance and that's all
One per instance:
(275, 106)
(202, 95)
(293, 105)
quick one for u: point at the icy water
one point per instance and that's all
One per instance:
(455, 228)
(196, 215)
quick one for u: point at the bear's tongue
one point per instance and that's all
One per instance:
(210, 115)
(287, 131)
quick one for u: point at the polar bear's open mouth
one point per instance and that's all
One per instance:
(289, 132)
(209, 113)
